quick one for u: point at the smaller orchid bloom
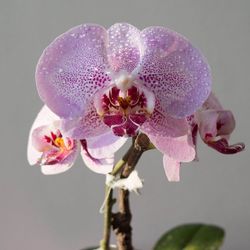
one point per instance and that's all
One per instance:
(56, 153)
(215, 126)
(48, 147)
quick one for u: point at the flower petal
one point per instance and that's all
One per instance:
(212, 102)
(193, 127)
(105, 145)
(123, 47)
(223, 147)
(72, 68)
(215, 127)
(44, 117)
(172, 168)
(161, 124)
(175, 71)
(65, 165)
(180, 148)
(100, 166)
(89, 125)
(214, 123)
(38, 138)
(32, 154)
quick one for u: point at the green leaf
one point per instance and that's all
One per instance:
(192, 237)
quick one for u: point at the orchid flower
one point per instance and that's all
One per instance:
(125, 81)
(121, 79)
(56, 153)
(215, 126)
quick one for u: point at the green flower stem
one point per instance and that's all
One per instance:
(105, 242)
(121, 220)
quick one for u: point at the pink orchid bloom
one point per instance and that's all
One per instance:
(122, 80)
(56, 153)
(215, 126)
(125, 80)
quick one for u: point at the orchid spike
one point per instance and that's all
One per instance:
(122, 80)
(56, 153)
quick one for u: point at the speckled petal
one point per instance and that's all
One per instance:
(123, 47)
(72, 68)
(172, 168)
(162, 124)
(174, 71)
(90, 125)
(179, 148)
(44, 118)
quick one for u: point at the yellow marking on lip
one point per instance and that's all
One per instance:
(59, 142)
(124, 102)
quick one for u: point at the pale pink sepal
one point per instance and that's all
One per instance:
(100, 166)
(44, 117)
(180, 148)
(172, 168)
(98, 152)
(105, 145)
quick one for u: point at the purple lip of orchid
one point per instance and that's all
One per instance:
(124, 106)
(122, 78)
(57, 148)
